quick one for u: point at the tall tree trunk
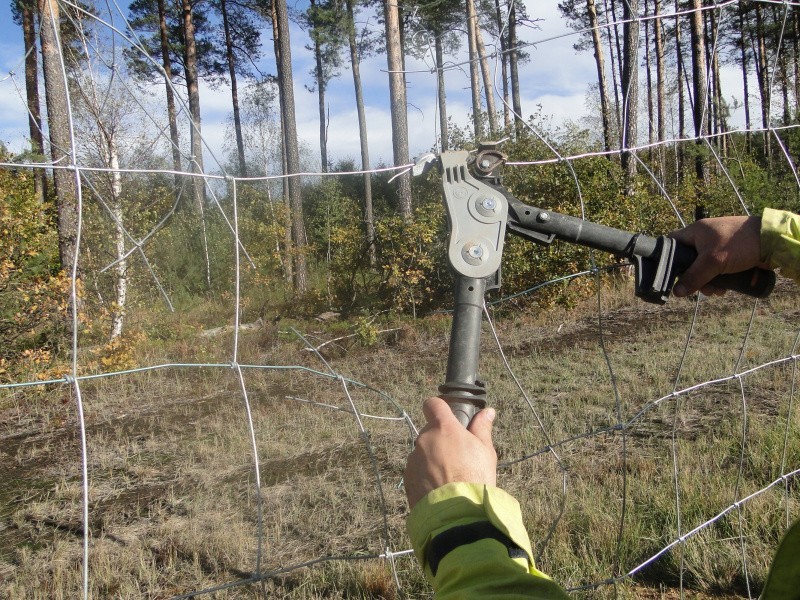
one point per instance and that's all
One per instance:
(513, 66)
(172, 114)
(474, 79)
(442, 95)
(796, 59)
(286, 88)
(651, 121)
(711, 113)
(762, 75)
(397, 94)
(288, 231)
(319, 75)
(614, 77)
(488, 86)
(719, 101)
(121, 267)
(745, 76)
(237, 120)
(32, 94)
(658, 34)
(503, 65)
(783, 64)
(617, 43)
(681, 92)
(355, 64)
(630, 90)
(699, 90)
(59, 128)
(193, 92)
(601, 74)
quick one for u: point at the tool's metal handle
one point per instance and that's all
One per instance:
(462, 390)
(658, 260)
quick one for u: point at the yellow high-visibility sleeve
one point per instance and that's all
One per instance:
(780, 241)
(475, 538)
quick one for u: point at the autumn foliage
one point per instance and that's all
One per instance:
(33, 291)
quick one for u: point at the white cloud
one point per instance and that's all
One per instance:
(14, 120)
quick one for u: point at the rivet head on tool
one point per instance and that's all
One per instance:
(543, 217)
(489, 203)
(485, 163)
(473, 253)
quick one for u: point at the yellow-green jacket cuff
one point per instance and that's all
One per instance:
(780, 241)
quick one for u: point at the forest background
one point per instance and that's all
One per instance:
(365, 239)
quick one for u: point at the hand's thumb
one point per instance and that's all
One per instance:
(481, 426)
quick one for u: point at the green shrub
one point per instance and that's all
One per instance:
(33, 292)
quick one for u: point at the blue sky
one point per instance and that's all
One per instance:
(555, 78)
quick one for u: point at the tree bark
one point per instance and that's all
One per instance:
(699, 89)
(286, 87)
(440, 88)
(32, 94)
(681, 93)
(721, 126)
(630, 90)
(660, 75)
(397, 95)
(488, 86)
(288, 230)
(783, 66)
(474, 79)
(745, 76)
(651, 121)
(614, 77)
(762, 75)
(193, 92)
(60, 133)
(602, 84)
(355, 64)
(513, 66)
(319, 75)
(121, 267)
(503, 65)
(237, 120)
(172, 114)
(796, 60)
(617, 43)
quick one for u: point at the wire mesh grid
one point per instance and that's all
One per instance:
(239, 468)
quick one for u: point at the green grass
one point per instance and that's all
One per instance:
(173, 506)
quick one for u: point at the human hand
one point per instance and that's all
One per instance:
(724, 245)
(446, 452)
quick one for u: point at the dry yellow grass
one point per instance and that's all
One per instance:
(174, 508)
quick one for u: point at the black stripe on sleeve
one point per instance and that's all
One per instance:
(451, 539)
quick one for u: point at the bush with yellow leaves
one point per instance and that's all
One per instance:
(33, 292)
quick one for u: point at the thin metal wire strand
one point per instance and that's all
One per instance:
(551, 448)
(74, 308)
(690, 534)
(674, 444)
